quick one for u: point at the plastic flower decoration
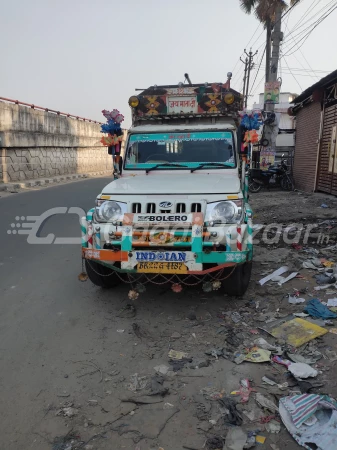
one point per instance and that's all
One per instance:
(176, 287)
(133, 295)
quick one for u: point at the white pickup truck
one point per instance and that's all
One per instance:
(179, 213)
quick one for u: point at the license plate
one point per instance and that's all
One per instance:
(161, 267)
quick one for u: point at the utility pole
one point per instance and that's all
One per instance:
(244, 81)
(249, 65)
(271, 127)
(268, 48)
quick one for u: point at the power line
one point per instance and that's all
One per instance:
(309, 33)
(293, 75)
(314, 16)
(312, 25)
(314, 76)
(257, 72)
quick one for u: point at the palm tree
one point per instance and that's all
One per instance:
(265, 12)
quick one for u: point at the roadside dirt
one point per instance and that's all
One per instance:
(123, 392)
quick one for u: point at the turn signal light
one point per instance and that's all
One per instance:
(133, 101)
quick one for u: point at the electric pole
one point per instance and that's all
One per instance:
(249, 65)
(244, 80)
(271, 126)
(268, 48)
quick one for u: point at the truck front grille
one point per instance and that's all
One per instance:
(153, 208)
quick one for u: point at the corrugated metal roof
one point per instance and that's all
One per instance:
(326, 81)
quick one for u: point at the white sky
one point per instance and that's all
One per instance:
(82, 56)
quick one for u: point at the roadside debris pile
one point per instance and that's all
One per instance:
(215, 373)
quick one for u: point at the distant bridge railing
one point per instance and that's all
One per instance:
(41, 108)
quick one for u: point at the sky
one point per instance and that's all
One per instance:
(82, 56)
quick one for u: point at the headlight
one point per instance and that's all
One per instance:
(224, 212)
(110, 211)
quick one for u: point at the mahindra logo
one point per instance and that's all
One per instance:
(165, 205)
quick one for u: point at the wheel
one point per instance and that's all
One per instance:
(287, 183)
(253, 186)
(101, 275)
(237, 284)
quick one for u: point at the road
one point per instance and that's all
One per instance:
(63, 342)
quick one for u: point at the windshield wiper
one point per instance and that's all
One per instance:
(211, 164)
(168, 164)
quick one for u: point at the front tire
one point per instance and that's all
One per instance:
(253, 186)
(101, 275)
(237, 284)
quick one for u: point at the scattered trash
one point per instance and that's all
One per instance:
(260, 439)
(302, 370)
(273, 427)
(323, 279)
(296, 246)
(177, 355)
(289, 277)
(282, 362)
(296, 358)
(264, 402)
(327, 263)
(120, 331)
(258, 355)
(277, 272)
(268, 381)
(324, 205)
(231, 414)
(262, 343)
(297, 332)
(295, 300)
(244, 391)
(313, 264)
(332, 302)
(301, 315)
(333, 330)
(311, 420)
(235, 440)
(236, 317)
(316, 309)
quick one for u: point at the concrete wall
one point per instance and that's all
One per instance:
(36, 144)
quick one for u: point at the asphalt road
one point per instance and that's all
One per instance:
(64, 343)
(41, 305)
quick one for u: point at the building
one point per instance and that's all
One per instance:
(315, 160)
(285, 142)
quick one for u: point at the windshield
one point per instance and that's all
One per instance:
(188, 149)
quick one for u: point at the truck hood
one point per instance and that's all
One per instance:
(183, 183)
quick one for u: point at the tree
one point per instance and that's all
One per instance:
(265, 12)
